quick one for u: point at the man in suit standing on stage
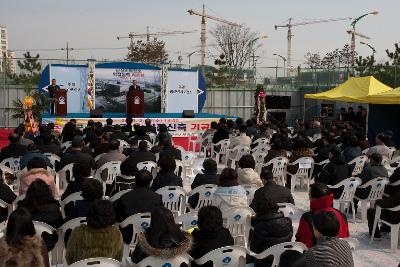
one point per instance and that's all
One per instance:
(52, 89)
(134, 86)
(135, 101)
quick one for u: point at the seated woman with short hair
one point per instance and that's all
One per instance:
(99, 238)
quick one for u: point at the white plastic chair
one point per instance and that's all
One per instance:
(279, 169)
(236, 153)
(223, 148)
(155, 261)
(173, 198)
(119, 194)
(359, 164)
(197, 141)
(139, 222)
(259, 157)
(122, 145)
(250, 190)
(377, 188)
(304, 172)
(98, 157)
(187, 220)
(66, 145)
(392, 150)
(65, 175)
(71, 198)
(346, 198)
(7, 206)
(96, 262)
(180, 168)
(207, 147)
(4, 171)
(386, 164)
(188, 159)
(278, 249)
(113, 169)
(238, 222)
(41, 227)
(69, 225)
(53, 159)
(148, 165)
(12, 163)
(152, 137)
(206, 194)
(287, 209)
(262, 148)
(261, 141)
(394, 228)
(230, 256)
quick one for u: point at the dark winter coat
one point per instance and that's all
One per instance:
(274, 192)
(204, 242)
(8, 196)
(202, 179)
(166, 179)
(391, 202)
(269, 230)
(334, 172)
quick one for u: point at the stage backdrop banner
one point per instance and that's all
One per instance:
(74, 80)
(182, 91)
(112, 85)
(178, 127)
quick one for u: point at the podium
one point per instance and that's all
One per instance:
(61, 102)
(135, 103)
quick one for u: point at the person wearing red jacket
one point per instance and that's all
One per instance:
(321, 199)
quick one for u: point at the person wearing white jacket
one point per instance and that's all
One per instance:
(246, 173)
(229, 193)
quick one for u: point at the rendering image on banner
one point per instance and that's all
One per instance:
(112, 84)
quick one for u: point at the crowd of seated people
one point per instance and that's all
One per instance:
(319, 229)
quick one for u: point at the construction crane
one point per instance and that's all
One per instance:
(289, 25)
(353, 34)
(203, 16)
(148, 34)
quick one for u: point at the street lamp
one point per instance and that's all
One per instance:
(190, 54)
(370, 46)
(284, 63)
(353, 35)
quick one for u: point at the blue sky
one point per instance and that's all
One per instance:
(97, 23)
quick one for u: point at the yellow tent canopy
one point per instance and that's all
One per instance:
(389, 97)
(353, 90)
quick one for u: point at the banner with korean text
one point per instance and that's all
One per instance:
(74, 80)
(178, 127)
(182, 91)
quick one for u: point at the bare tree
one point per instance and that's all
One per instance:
(313, 60)
(237, 44)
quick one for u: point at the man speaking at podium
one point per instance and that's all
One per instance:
(135, 101)
(52, 89)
